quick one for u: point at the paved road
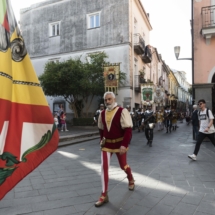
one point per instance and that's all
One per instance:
(167, 182)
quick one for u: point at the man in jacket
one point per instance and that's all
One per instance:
(149, 123)
(195, 121)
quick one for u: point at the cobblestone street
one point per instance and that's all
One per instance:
(167, 181)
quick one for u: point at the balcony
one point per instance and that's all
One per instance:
(139, 44)
(147, 57)
(138, 80)
(208, 22)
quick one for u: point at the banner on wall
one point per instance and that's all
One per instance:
(147, 94)
(111, 77)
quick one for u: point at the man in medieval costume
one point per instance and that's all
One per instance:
(174, 120)
(168, 119)
(149, 124)
(128, 107)
(115, 127)
(159, 119)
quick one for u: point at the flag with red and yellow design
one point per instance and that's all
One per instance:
(28, 134)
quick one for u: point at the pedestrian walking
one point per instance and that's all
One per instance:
(168, 119)
(149, 122)
(59, 111)
(115, 127)
(63, 121)
(195, 121)
(206, 129)
(56, 119)
(139, 119)
(96, 116)
(174, 120)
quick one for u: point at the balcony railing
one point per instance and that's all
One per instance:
(208, 16)
(138, 80)
(147, 57)
(139, 44)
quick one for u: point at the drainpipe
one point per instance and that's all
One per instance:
(192, 36)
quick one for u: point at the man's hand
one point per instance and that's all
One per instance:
(122, 150)
(206, 130)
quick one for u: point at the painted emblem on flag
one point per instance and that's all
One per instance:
(28, 134)
(147, 94)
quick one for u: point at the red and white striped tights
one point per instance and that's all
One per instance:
(105, 163)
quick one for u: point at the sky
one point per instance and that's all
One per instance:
(170, 20)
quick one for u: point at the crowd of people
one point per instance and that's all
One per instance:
(146, 120)
(60, 119)
(116, 123)
(165, 118)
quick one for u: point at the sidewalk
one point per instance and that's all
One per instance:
(167, 181)
(76, 130)
(77, 134)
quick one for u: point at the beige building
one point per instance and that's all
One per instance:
(183, 92)
(140, 52)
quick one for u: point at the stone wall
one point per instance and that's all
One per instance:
(74, 35)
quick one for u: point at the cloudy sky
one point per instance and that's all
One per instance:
(170, 20)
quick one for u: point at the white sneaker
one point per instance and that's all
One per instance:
(61, 130)
(193, 157)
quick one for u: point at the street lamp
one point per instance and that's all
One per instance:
(177, 53)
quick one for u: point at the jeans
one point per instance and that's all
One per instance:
(196, 131)
(201, 137)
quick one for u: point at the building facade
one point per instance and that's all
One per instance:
(204, 51)
(184, 93)
(57, 30)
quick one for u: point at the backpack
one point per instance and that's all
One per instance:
(206, 113)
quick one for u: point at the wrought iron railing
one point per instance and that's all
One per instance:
(148, 53)
(139, 79)
(138, 40)
(208, 16)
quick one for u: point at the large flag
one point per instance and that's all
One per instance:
(27, 132)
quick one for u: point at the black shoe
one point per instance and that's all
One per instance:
(147, 142)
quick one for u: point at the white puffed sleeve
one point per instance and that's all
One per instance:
(100, 124)
(125, 120)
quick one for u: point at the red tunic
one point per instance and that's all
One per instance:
(115, 131)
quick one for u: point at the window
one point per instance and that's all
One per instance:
(54, 60)
(54, 29)
(88, 56)
(93, 20)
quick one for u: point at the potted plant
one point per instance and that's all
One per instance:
(142, 75)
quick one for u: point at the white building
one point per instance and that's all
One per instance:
(57, 30)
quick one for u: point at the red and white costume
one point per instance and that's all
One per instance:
(116, 126)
